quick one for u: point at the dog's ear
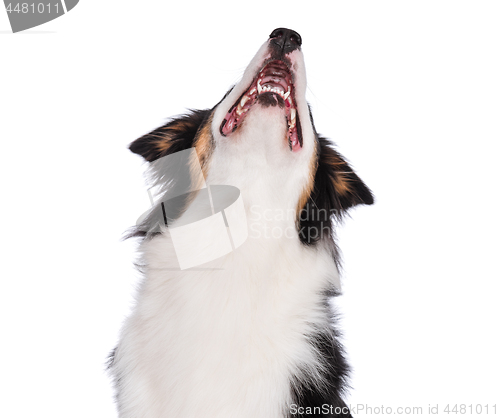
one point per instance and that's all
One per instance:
(177, 135)
(336, 188)
(335, 176)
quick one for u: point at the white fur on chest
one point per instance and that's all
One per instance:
(223, 340)
(227, 338)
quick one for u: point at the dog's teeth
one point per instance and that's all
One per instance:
(278, 90)
(252, 91)
(293, 114)
(287, 93)
(244, 99)
(240, 110)
(259, 87)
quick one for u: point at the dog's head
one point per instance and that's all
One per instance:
(261, 138)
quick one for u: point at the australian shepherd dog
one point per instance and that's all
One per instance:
(246, 331)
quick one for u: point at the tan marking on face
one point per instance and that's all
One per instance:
(308, 188)
(203, 144)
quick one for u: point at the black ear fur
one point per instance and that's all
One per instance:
(344, 188)
(336, 189)
(176, 135)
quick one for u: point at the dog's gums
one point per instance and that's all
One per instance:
(273, 86)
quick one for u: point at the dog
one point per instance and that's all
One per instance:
(250, 333)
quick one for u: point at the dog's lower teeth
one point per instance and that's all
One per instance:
(285, 96)
(293, 114)
(240, 110)
(244, 100)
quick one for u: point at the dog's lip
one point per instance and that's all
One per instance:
(275, 78)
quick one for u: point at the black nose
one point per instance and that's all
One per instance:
(286, 40)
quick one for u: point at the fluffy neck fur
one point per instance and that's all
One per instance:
(227, 339)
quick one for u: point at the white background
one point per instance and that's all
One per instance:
(409, 91)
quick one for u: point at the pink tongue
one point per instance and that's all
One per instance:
(229, 126)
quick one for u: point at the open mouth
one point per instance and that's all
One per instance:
(272, 86)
